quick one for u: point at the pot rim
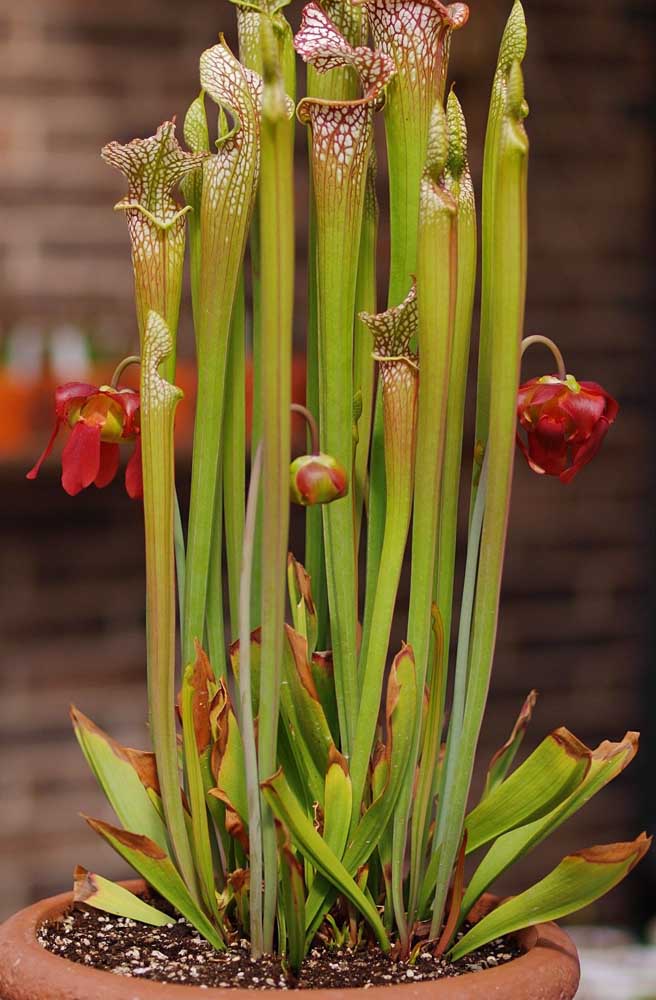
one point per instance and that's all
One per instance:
(547, 969)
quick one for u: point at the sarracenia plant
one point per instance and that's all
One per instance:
(322, 783)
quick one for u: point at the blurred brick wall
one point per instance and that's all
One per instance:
(574, 620)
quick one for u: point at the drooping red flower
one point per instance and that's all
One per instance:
(100, 417)
(565, 423)
(317, 479)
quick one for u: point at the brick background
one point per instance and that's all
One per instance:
(575, 618)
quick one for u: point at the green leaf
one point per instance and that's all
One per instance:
(256, 648)
(127, 777)
(607, 761)
(401, 706)
(196, 735)
(304, 611)
(544, 780)
(156, 867)
(324, 681)
(338, 803)
(101, 893)
(285, 807)
(292, 891)
(306, 722)
(228, 757)
(502, 760)
(576, 882)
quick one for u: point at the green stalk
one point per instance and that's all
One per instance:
(459, 183)
(363, 364)
(214, 618)
(507, 302)
(158, 404)
(277, 292)
(246, 725)
(340, 84)
(436, 298)
(341, 144)
(399, 378)
(419, 46)
(234, 455)
(512, 48)
(229, 179)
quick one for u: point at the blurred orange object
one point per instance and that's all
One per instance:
(17, 397)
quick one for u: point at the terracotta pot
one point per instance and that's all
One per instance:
(548, 970)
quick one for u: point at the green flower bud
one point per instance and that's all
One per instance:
(317, 479)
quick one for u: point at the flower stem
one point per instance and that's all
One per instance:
(313, 427)
(133, 359)
(158, 403)
(234, 455)
(246, 726)
(537, 338)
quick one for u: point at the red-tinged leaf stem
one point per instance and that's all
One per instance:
(399, 375)
(158, 403)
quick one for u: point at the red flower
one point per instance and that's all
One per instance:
(100, 418)
(565, 423)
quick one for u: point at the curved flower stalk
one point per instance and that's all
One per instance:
(156, 223)
(341, 142)
(229, 181)
(159, 399)
(393, 332)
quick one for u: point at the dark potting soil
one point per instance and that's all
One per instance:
(177, 953)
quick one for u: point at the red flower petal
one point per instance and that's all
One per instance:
(547, 446)
(133, 476)
(584, 409)
(70, 393)
(81, 458)
(34, 471)
(109, 459)
(587, 451)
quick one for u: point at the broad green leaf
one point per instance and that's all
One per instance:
(153, 864)
(401, 708)
(101, 893)
(337, 803)
(228, 755)
(304, 611)
(285, 808)
(256, 648)
(576, 882)
(544, 780)
(502, 760)
(607, 761)
(196, 735)
(127, 777)
(324, 680)
(292, 886)
(309, 729)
